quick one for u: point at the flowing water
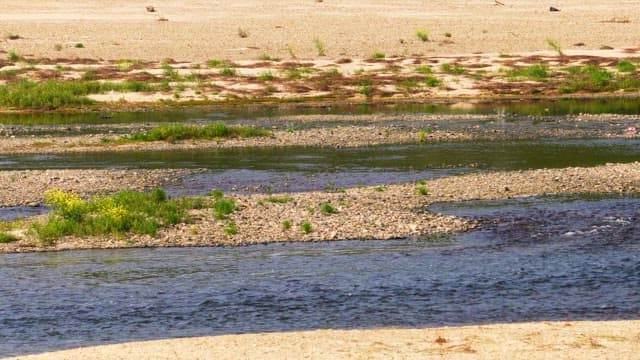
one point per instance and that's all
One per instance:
(532, 259)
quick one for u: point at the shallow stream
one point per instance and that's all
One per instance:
(532, 259)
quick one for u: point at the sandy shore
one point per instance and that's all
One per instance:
(197, 31)
(542, 340)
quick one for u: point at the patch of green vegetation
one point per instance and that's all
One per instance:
(8, 74)
(291, 51)
(279, 199)
(223, 207)
(169, 72)
(327, 209)
(214, 63)
(118, 214)
(409, 85)
(216, 194)
(13, 56)
(555, 46)
(227, 71)
(320, 48)
(447, 34)
(422, 190)
(366, 87)
(453, 69)
(231, 228)
(422, 134)
(380, 188)
(266, 76)
(587, 78)
(183, 132)
(422, 34)
(432, 81)
(79, 46)
(267, 57)
(48, 94)
(534, 72)
(6, 238)
(286, 224)
(378, 55)
(424, 70)
(306, 226)
(626, 66)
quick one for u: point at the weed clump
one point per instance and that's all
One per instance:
(124, 212)
(6, 238)
(453, 69)
(533, 72)
(223, 207)
(327, 209)
(422, 34)
(626, 66)
(306, 226)
(182, 132)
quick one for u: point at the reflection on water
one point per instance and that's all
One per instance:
(550, 259)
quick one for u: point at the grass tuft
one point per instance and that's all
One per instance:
(327, 209)
(6, 238)
(306, 226)
(422, 34)
(534, 72)
(626, 66)
(223, 207)
(183, 132)
(320, 48)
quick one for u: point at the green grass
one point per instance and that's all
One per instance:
(223, 207)
(424, 70)
(432, 81)
(79, 46)
(6, 238)
(231, 228)
(267, 57)
(306, 226)
(216, 194)
(534, 72)
(626, 66)
(555, 46)
(590, 78)
(286, 224)
(453, 69)
(380, 188)
(422, 190)
(320, 48)
(13, 56)
(183, 132)
(214, 63)
(227, 71)
(422, 134)
(327, 209)
(266, 76)
(378, 55)
(125, 212)
(279, 199)
(422, 34)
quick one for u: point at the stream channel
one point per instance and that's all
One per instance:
(532, 259)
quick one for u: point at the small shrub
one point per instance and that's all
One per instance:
(422, 34)
(555, 46)
(79, 46)
(13, 36)
(378, 55)
(231, 228)
(267, 57)
(453, 69)
(266, 76)
(170, 72)
(447, 34)
(320, 48)
(279, 199)
(6, 238)
(432, 81)
(422, 134)
(306, 227)
(533, 72)
(227, 71)
(286, 224)
(223, 207)
(243, 33)
(326, 208)
(626, 66)
(13, 56)
(214, 63)
(424, 69)
(216, 194)
(422, 190)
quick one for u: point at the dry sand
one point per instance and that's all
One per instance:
(201, 30)
(543, 340)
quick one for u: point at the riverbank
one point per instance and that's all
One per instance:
(382, 212)
(540, 340)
